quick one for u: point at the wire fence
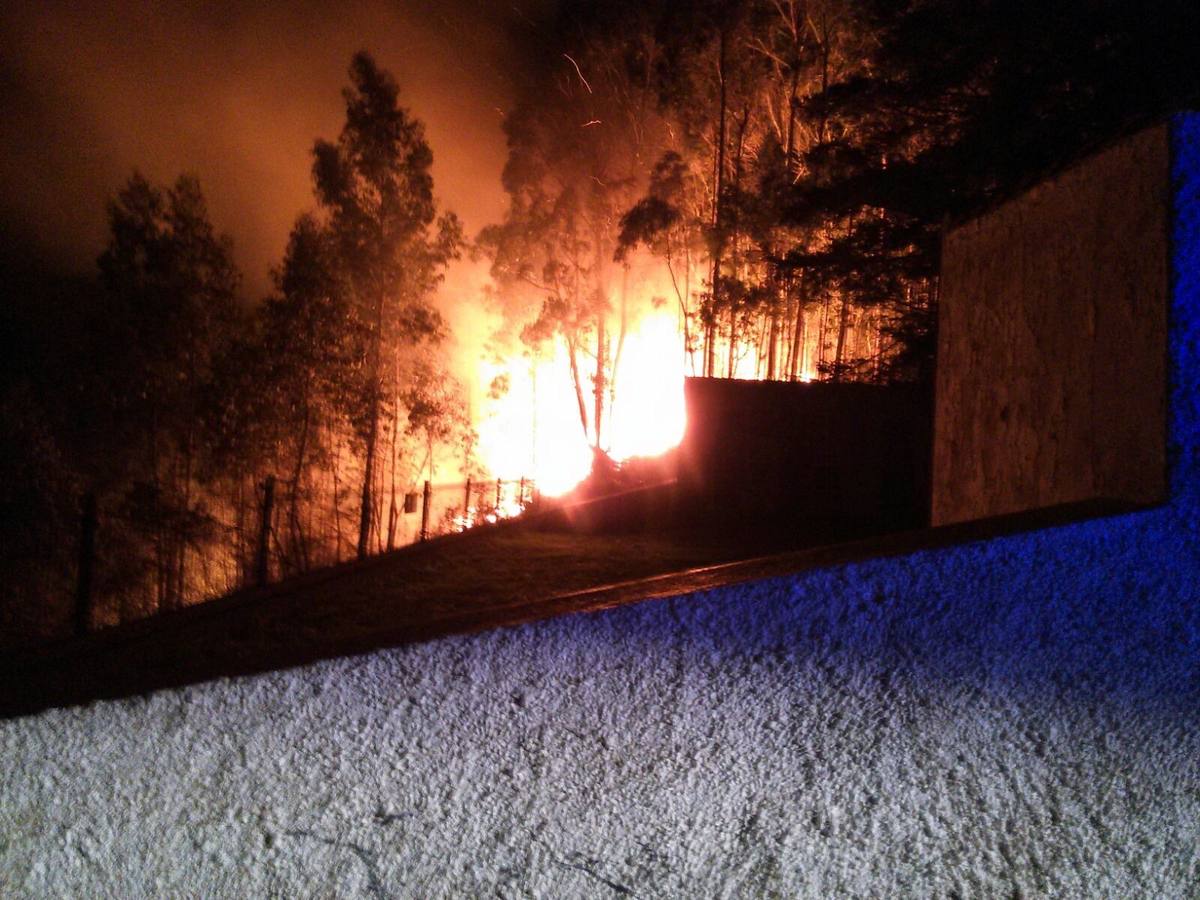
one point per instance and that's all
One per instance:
(450, 507)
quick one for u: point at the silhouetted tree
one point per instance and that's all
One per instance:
(577, 142)
(375, 190)
(170, 307)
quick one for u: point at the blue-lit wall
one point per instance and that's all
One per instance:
(1019, 717)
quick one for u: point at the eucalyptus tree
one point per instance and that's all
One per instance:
(575, 144)
(306, 382)
(955, 104)
(374, 187)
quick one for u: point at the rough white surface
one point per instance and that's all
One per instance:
(971, 722)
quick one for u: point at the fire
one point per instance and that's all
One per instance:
(532, 429)
(648, 414)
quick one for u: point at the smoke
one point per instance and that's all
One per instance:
(237, 93)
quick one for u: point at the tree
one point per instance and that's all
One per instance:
(731, 81)
(170, 308)
(375, 190)
(668, 221)
(577, 143)
(287, 387)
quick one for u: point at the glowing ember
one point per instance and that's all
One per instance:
(532, 429)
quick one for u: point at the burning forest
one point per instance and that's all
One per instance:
(743, 191)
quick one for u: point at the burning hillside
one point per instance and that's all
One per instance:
(375, 396)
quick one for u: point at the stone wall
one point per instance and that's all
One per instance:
(1051, 363)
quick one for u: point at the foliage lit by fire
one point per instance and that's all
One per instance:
(729, 188)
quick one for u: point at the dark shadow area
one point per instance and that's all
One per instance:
(774, 454)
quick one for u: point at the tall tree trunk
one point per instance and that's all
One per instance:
(791, 126)
(843, 324)
(773, 346)
(180, 572)
(789, 334)
(718, 192)
(821, 332)
(393, 511)
(824, 39)
(294, 501)
(573, 358)
(366, 507)
(683, 308)
(799, 341)
(687, 293)
(600, 384)
(876, 330)
(239, 529)
(337, 509)
(157, 531)
(732, 338)
(624, 329)
(742, 124)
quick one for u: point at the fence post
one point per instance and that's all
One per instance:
(425, 512)
(497, 497)
(262, 559)
(467, 505)
(87, 554)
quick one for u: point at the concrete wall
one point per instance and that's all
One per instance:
(1018, 717)
(772, 451)
(1051, 372)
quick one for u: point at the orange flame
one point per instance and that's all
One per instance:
(533, 430)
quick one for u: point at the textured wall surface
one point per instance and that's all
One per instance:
(1013, 718)
(1051, 370)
